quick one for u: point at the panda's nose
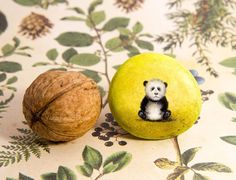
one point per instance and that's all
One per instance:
(155, 93)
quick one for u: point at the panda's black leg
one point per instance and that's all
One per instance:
(166, 114)
(142, 114)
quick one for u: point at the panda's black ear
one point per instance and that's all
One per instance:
(145, 82)
(165, 84)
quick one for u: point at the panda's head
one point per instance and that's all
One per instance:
(155, 89)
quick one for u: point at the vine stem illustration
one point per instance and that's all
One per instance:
(99, 176)
(99, 41)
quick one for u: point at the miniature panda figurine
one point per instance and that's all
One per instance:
(154, 105)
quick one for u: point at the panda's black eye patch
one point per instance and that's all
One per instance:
(152, 88)
(158, 88)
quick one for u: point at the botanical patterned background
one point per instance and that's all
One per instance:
(95, 37)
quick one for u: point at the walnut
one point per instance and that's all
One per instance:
(61, 106)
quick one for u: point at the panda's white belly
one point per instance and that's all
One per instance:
(153, 111)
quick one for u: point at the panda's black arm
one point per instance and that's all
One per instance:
(164, 103)
(144, 103)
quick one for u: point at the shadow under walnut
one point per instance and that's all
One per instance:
(62, 105)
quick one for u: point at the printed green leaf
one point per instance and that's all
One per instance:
(115, 23)
(121, 158)
(229, 139)
(188, 155)
(65, 173)
(40, 64)
(23, 54)
(1, 93)
(3, 76)
(198, 176)
(93, 5)
(28, 2)
(92, 156)
(9, 67)
(69, 53)
(229, 62)
(132, 50)
(114, 45)
(178, 172)
(78, 10)
(49, 176)
(165, 163)
(109, 168)
(72, 18)
(24, 47)
(124, 31)
(52, 54)
(146, 35)
(85, 59)
(95, 18)
(58, 69)
(8, 49)
(24, 177)
(93, 75)
(11, 88)
(76, 39)
(228, 99)
(12, 80)
(116, 67)
(137, 28)
(144, 45)
(102, 91)
(212, 166)
(10, 178)
(3, 22)
(86, 169)
(17, 42)
(233, 119)
(171, 55)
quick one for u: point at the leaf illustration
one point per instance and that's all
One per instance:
(95, 18)
(23, 54)
(49, 176)
(92, 156)
(28, 2)
(8, 49)
(12, 80)
(137, 28)
(24, 177)
(229, 62)
(86, 169)
(102, 91)
(58, 69)
(178, 172)
(16, 41)
(1, 94)
(132, 50)
(229, 139)
(52, 54)
(114, 45)
(3, 23)
(165, 163)
(40, 64)
(174, 56)
(78, 10)
(10, 178)
(76, 39)
(124, 31)
(198, 176)
(9, 67)
(227, 99)
(73, 18)
(65, 173)
(212, 166)
(121, 158)
(3, 77)
(115, 23)
(69, 53)
(188, 155)
(109, 168)
(116, 67)
(93, 75)
(93, 5)
(85, 59)
(144, 44)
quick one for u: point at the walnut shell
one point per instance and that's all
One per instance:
(62, 105)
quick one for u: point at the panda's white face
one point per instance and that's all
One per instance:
(155, 89)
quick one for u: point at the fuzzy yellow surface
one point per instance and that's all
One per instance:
(127, 91)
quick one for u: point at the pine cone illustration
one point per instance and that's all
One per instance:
(35, 25)
(129, 5)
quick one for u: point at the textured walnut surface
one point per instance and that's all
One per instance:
(61, 106)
